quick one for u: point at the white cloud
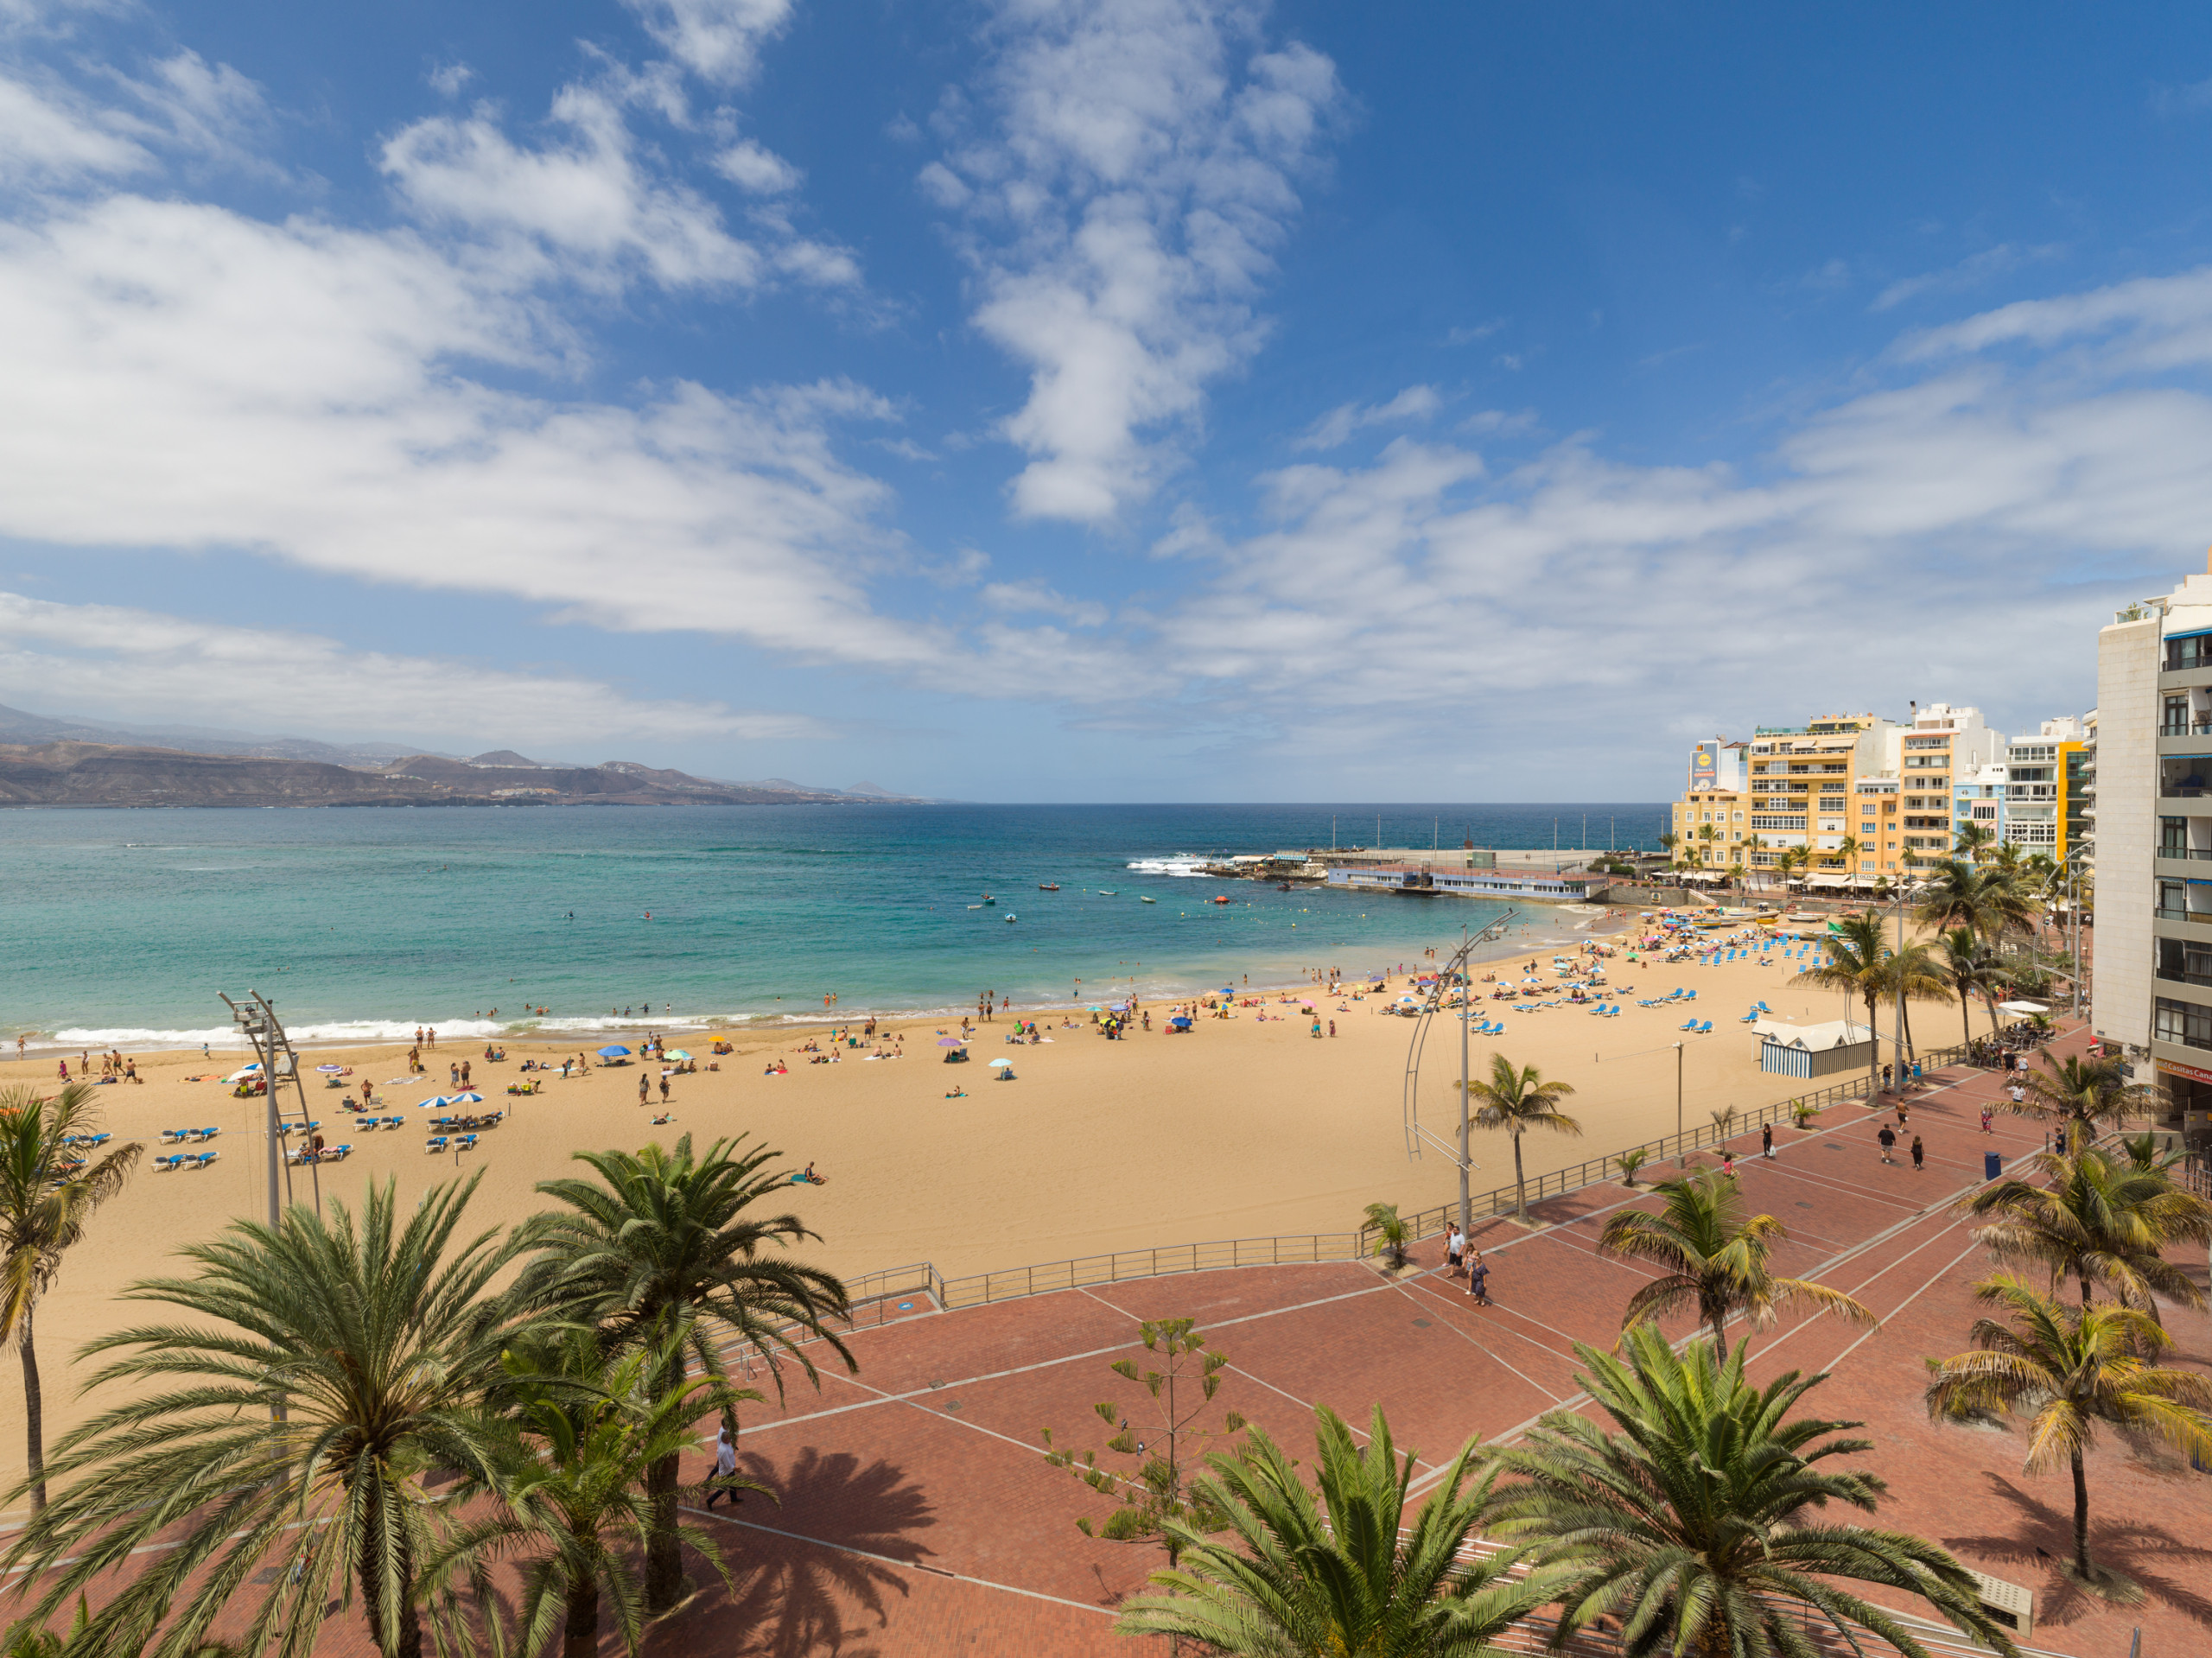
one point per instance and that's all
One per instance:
(137, 665)
(1414, 403)
(590, 198)
(447, 80)
(49, 134)
(1968, 273)
(1120, 216)
(719, 40)
(751, 167)
(177, 375)
(2012, 501)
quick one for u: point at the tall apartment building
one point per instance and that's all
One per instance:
(2050, 799)
(2153, 777)
(1714, 800)
(1797, 785)
(1978, 798)
(1939, 747)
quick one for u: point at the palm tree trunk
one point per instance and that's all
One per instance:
(1966, 1006)
(396, 1561)
(1520, 1187)
(1874, 1052)
(1721, 1337)
(2081, 1518)
(664, 1548)
(580, 1639)
(33, 1415)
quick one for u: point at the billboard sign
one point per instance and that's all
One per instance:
(1704, 765)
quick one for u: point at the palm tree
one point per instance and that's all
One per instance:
(1848, 849)
(1856, 966)
(1972, 842)
(576, 1436)
(320, 1370)
(48, 1194)
(2071, 1369)
(2082, 1092)
(1704, 843)
(1390, 1231)
(1963, 959)
(1753, 845)
(1517, 1099)
(1712, 1256)
(1915, 970)
(2100, 1220)
(1961, 894)
(1340, 1573)
(1692, 1525)
(664, 1238)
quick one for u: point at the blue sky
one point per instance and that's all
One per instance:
(1056, 401)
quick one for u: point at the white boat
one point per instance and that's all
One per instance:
(1012, 918)
(1148, 900)
(1104, 893)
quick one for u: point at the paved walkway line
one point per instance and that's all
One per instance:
(1464, 1335)
(1047, 1364)
(903, 1565)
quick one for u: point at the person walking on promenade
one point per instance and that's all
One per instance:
(1919, 1153)
(725, 1467)
(1886, 1079)
(1766, 1140)
(1479, 1280)
(1889, 1139)
(1986, 1113)
(1455, 1246)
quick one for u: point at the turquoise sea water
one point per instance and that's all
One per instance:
(121, 926)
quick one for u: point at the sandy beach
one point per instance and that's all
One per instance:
(1248, 1126)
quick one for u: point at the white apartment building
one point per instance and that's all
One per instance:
(2152, 782)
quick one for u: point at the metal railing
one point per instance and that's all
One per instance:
(2199, 852)
(980, 1289)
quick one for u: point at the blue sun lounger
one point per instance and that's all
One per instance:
(435, 1143)
(201, 1160)
(202, 1135)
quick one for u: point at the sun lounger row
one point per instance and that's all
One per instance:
(187, 1160)
(328, 1154)
(179, 1136)
(1606, 1010)
(369, 1125)
(489, 1120)
(297, 1129)
(88, 1142)
(1697, 1029)
(447, 1142)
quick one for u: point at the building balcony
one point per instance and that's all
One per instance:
(2182, 975)
(2184, 854)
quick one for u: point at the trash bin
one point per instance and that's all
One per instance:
(1993, 1166)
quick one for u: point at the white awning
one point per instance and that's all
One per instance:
(2023, 1008)
(1827, 880)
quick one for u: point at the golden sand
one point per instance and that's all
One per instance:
(1245, 1127)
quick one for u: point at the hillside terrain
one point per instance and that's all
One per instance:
(72, 773)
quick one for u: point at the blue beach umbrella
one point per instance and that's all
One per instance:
(615, 1051)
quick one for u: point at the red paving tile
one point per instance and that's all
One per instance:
(919, 1517)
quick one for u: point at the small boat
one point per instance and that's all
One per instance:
(988, 899)
(1217, 900)
(975, 907)
(1012, 919)
(1105, 893)
(1148, 900)
(1048, 887)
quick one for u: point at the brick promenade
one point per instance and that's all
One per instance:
(917, 1516)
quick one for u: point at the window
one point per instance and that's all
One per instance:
(2176, 723)
(2193, 652)
(2181, 1021)
(1867, 828)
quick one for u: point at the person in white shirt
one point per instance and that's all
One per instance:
(725, 1466)
(1454, 1246)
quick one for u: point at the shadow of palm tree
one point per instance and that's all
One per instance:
(2043, 1543)
(815, 1590)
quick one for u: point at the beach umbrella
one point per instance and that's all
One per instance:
(464, 1099)
(948, 1042)
(614, 1051)
(675, 1053)
(995, 1064)
(330, 1068)
(240, 1076)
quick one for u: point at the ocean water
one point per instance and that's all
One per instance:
(121, 926)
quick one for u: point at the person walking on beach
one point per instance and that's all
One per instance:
(1919, 1153)
(1479, 1280)
(1889, 1139)
(1766, 1140)
(663, 1090)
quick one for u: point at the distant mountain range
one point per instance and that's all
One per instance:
(61, 762)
